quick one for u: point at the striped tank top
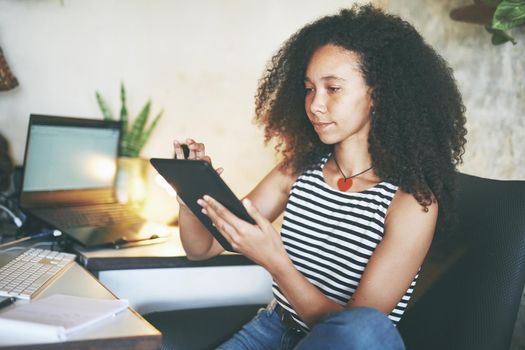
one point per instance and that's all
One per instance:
(330, 236)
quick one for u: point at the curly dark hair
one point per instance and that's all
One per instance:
(417, 133)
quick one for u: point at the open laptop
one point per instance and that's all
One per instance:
(69, 181)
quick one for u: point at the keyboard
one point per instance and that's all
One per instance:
(28, 274)
(96, 215)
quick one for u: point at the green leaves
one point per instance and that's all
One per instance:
(132, 139)
(134, 136)
(123, 118)
(103, 107)
(145, 135)
(508, 14)
(499, 36)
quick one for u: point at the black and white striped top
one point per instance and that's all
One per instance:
(330, 236)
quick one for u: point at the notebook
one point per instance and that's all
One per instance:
(54, 317)
(68, 181)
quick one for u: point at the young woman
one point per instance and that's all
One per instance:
(370, 126)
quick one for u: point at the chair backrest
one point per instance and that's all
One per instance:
(474, 304)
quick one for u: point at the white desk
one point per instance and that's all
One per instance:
(124, 331)
(165, 289)
(159, 277)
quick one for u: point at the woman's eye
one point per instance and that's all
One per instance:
(334, 88)
(308, 90)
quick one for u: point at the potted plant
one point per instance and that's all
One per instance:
(131, 168)
(498, 16)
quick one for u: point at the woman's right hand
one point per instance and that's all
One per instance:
(197, 150)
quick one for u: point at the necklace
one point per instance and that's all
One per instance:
(345, 183)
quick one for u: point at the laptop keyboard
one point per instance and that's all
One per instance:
(98, 215)
(28, 274)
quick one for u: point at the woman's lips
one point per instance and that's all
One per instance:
(321, 126)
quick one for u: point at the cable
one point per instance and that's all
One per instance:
(12, 248)
(42, 234)
(16, 219)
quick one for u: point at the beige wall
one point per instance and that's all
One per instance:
(491, 79)
(200, 61)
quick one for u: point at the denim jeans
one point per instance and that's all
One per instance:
(358, 328)
(264, 332)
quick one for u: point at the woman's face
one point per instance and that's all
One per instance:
(337, 99)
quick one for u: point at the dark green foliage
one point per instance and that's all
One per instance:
(508, 14)
(135, 137)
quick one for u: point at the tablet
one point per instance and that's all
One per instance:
(192, 179)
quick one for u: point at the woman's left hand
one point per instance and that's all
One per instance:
(260, 242)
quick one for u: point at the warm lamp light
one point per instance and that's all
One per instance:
(101, 168)
(138, 189)
(132, 181)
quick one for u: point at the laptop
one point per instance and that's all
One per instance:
(68, 181)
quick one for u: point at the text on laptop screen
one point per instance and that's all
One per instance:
(70, 157)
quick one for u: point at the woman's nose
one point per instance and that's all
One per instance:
(318, 103)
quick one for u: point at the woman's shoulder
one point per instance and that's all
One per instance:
(285, 175)
(405, 206)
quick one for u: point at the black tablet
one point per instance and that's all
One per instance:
(192, 179)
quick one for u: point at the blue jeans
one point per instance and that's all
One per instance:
(358, 328)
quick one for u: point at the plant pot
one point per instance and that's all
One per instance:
(132, 181)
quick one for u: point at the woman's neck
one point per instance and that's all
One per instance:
(352, 158)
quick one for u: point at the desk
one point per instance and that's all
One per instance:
(127, 330)
(159, 277)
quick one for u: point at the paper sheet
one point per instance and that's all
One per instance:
(58, 315)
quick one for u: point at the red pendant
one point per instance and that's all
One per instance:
(344, 184)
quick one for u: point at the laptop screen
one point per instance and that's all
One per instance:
(68, 157)
(70, 154)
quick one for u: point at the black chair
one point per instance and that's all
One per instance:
(473, 304)
(468, 293)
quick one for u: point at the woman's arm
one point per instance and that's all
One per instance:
(197, 242)
(398, 257)
(391, 269)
